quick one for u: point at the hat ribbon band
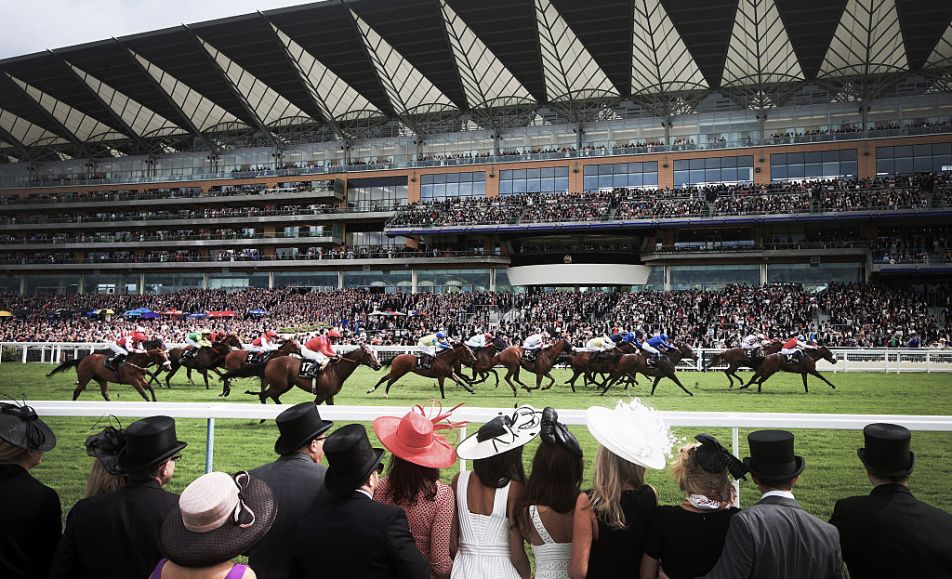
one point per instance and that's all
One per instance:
(33, 435)
(241, 480)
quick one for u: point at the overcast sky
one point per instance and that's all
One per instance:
(34, 25)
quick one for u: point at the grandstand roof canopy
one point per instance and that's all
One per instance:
(342, 66)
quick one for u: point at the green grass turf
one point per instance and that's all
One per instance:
(833, 470)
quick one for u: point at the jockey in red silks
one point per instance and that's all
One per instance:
(266, 342)
(319, 348)
(129, 343)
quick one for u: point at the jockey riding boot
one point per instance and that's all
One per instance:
(797, 357)
(656, 358)
(425, 361)
(117, 360)
(325, 363)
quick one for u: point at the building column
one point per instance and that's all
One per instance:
(270, 280)
(763, 274)
(23, 284)
(81, 289)
(413, 281)
(340, 279)
(492, 279)
(141, 284)
(667, 278)
(204, 281)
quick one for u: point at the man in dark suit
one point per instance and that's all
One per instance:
(117, 534)
(295, 480)
(889, 533)
(776, 539)
(358, 537)
(32, 519)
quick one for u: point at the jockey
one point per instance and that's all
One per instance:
(656, 345)
(599, 344)
(480, 341)
(199, 339)
(534, 343)
(794, 347)
(751, 344)
(318, 348)
(431, 345)
(129, 343)
(263, 343)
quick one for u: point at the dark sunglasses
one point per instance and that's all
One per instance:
(176, 458)
(380, 468)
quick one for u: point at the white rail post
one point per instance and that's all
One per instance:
(209, 445)
(928, 363)
(898, 362)
(24, 354)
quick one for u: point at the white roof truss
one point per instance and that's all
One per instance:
(26, 132)
(868, 40)
(141, 119)
(660, 61)
(942, 54)
(201, 111)
(406, 87)
(484, 77)
(335, 98)
(569, 70)
(268, 105)
(82, 126)
(760, 52)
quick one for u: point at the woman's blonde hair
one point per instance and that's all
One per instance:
(100, 482)
(612, 473)
(695, 480)
(10, 454)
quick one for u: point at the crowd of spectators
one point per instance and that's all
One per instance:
(855, 315)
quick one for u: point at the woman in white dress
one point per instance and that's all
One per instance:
(484, 542)
(546, 511)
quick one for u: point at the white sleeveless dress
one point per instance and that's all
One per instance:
(552, 559)
(483, 540)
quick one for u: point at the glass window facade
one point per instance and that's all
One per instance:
(813, 165)
(814, 275)
(713, 170)
(379, 281)
(67, 284)
(908, 159)
(380, 193)
(9, 284)
(325, 280)
(685, 277)
(452, 280)
(237, 280)
(621, 175)
(111, 283)
(163, 283)
(542, 180)
(446, 185)
(502, 281)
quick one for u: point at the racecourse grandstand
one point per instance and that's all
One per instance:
(441, 146)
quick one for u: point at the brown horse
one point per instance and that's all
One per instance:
(631, 364)
(587, 365)
(443, 366)
(283, 373)
(483, 366)
(737, 358)
(207, 359)
(776, 362)
(133, 371)
(236, 365)
(514, 360)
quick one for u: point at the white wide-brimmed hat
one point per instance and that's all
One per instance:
(502, 434)
(633, 431)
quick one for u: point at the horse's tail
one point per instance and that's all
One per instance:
(715, 359)
(65, 366)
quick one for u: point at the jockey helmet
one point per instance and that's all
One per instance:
(139, 336)
(333, 333)
(663, 336)
(761, 337)
(271, 334)
(441, 335)
(488, 336)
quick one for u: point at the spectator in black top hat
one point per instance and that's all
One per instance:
(775, 538)
(31, 510)
(117, 534)
(890, 533)
(295, 480)
(359, 537)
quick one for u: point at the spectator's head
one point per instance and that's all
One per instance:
(704, 470)
(557, 470)
(218, 517)
(353, 463)
(496, 448)
(151, 450)
(302, 431)
(23, 436)
(886, 456)
(105, 475)
(772, 462)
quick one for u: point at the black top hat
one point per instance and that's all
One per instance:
(21, 427)
(351, 459)
(299, 424)
(887, 450)
(106, 446)
(149, 442)
(771, 456)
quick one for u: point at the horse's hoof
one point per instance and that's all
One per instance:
(371, 391)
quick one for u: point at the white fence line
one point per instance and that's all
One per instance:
(848, 360)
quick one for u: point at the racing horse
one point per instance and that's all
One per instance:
(514, 361)
(443, 366)
(132, 371)
(631, 364)
(587, 365)
(283, 373)
(208, 358)
(237, 366)
(776, 362)
(483, 366)
(737, 358)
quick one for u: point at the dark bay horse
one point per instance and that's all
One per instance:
(631, 364)
(132, 371)
(283, 373)
(236, 364)
(776, 362)
(443, 366)
(208, 359)
(587, 365)
(514, 361)
(737, 358)
(483, 366)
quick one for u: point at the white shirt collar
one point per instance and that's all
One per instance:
(784, 494)
(370, 496)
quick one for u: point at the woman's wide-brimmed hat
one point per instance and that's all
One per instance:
(414, 437)
(502, 434)
(887, 450)
(299, 425)
(105, 446)
(350, 459)
(772, 457)
(21, 427)
(149, 442)
(218, 517)
(633, 431)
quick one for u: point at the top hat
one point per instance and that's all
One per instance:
(21, 427)
(149, 442)
(502, 434)
(413, 437)
(299, 425)
(771, 456)
(887, 450)
(351, 459)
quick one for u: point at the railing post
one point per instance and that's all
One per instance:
(24, 354)
(928, 363)
(209, 445)
(898, 363)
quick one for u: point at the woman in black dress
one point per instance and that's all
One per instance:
(685, 540)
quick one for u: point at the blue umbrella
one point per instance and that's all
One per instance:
(258, 312)
(197, 315)
(132, 314)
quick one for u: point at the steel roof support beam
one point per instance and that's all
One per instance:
(18, 145)
(63, 131)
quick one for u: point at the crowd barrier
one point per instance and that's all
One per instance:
(848, 359)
